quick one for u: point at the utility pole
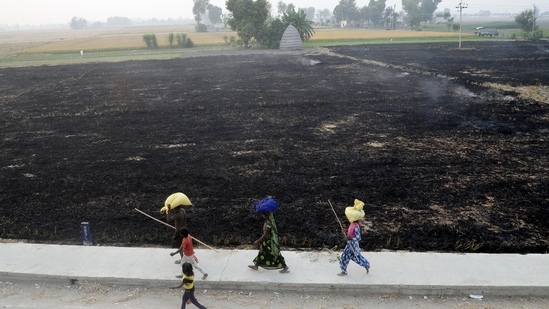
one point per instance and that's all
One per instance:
(533, 21)
(394, 17)
(461, 6)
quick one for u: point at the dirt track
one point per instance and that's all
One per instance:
(445, 146)
(95, 295)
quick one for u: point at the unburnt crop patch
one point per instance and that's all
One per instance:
(445, 146)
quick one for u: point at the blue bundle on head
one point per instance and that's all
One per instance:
(267, 204)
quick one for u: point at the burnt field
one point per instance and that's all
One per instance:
(448, 148)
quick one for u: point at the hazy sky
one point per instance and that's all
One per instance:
(41, 12)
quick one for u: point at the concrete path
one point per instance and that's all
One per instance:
(391, 272)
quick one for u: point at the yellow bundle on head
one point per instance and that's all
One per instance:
(355, 212)
(175, 200)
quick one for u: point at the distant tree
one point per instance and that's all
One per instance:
(225, 19)
(189, 43)
(201, 27)
(180, 38)
(183, 41)
(419, 11)
(310, 13)
(300, 22)
(272, 34)
(290, 6)
(325, 15)
(150, 40)
(281, 7)
(365, 14)
(171, 38)
(526, 20)
(449, 20)
(214, 14)
(78, 23)
(346, 10)
(375, 11)
(537, 35)
(118, 21)
(390, 17)
(97, 25)
(199, 9)
(248, 18)
(428, 7)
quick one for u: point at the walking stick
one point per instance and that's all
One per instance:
(342, 229)
(173, 227)
(334, 215)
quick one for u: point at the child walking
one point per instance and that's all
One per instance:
(188, 284)
(187, 251)
(352, 249)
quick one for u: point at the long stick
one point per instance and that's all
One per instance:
(173, 227)
(342, 229)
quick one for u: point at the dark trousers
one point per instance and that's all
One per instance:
(190, 295)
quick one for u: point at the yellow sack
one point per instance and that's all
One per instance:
(175, 200)
(355, 212)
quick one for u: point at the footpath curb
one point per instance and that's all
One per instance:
(405, 273)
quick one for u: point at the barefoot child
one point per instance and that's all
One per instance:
(187, 251)
(188, 284)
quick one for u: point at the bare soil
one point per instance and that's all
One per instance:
(96, 295)
(447, 147)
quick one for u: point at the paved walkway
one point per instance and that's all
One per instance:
(391, 272)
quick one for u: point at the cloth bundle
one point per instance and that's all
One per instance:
(355, 212)
(175, 200)
(267, 204)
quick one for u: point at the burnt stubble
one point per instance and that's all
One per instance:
(443, 161)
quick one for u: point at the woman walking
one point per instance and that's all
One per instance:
(269, 256)
(352, 249)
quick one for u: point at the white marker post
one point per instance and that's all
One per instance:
(86, 234)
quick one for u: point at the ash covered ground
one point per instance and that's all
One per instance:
(447, 147)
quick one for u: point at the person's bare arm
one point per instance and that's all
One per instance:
(177, 287)
(267, 231)
(176, 252)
